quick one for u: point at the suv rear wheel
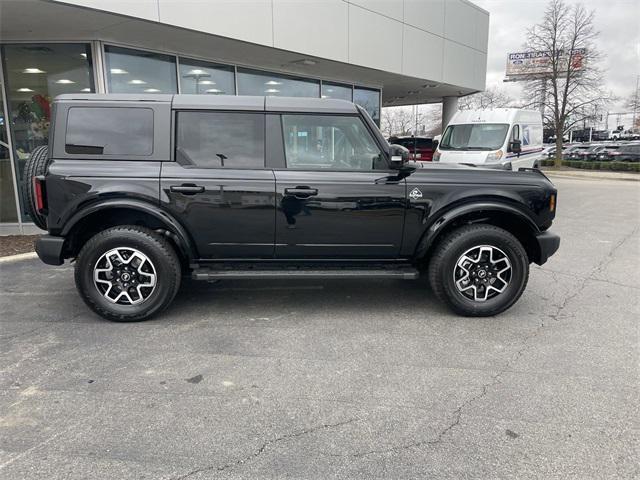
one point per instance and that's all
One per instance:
(479, 270)
(127, 273)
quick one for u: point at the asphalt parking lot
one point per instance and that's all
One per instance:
(337, 379)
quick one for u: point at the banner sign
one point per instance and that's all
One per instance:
(538, 64)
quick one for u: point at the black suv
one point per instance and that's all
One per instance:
(141, 190)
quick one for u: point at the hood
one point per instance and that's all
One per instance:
(463, 156)
(460, 173)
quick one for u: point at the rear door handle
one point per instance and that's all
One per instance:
(301, 192)
(187, 188)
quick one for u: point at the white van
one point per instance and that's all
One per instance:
(508, 138)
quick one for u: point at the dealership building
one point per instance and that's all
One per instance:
(376, 53)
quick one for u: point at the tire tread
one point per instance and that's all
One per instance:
(167, 251)
(437, 260)
(36, 165)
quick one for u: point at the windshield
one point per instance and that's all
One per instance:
(484, 136)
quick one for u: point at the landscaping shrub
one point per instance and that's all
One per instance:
(613, 166)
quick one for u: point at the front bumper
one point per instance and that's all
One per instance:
(49, 249)
(548, 244)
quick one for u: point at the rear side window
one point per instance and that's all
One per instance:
(220, 139)
(109, 131)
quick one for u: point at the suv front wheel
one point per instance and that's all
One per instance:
(127, 273)
(479, 270)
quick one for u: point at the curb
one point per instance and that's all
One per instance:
(18, 257)
(589, 177)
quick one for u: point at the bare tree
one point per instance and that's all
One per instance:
(387, 122)
(400, 121)
(633, 104)
(574, 87)
(490, 98)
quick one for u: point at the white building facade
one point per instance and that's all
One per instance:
(373, 52)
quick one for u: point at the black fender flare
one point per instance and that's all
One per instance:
(446, 218)
(180, 234)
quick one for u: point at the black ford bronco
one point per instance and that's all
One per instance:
(141, 190)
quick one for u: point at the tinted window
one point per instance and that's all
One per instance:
(216, 139)
(410, 143)
(109, 131)
(206, 78)
(330, 142)
(253, 82)
(137, 71)
(336, 90)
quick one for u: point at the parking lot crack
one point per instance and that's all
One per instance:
(263, 448)
(497, 378)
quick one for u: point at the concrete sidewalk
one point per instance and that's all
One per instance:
(592, 174)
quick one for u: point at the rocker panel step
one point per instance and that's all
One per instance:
(406, 273)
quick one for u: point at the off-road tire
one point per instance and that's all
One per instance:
(156, 248)
(453, 245)
(37, 164)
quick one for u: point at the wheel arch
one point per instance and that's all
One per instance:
(501, 215)
(111, 213)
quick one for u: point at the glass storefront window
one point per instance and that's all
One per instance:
(206, 78)
(8, 211)
(35, 74)
(337, 90)
(254, 82)
(136, 71)
(369, 100)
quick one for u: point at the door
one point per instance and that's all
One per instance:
(530, 143)
(218, 187)
(337, 197)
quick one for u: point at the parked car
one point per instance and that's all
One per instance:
(547, 151)
(420, 148)
(507, 138)
(232, 187)
(550, 152)
(625, 153)
(588, 153)
(603, 155)
(573, 152)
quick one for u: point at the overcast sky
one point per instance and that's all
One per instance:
(617, 20)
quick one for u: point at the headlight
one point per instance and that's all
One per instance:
(436, 157)
(494, 157)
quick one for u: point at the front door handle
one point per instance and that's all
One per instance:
(301, 192)
(187, 188)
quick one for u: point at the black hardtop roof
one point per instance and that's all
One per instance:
(220, 102)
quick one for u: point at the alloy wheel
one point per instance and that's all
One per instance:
(482, 273)
(125, 276)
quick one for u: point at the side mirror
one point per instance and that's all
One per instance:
(398, 155)
(515, 146)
